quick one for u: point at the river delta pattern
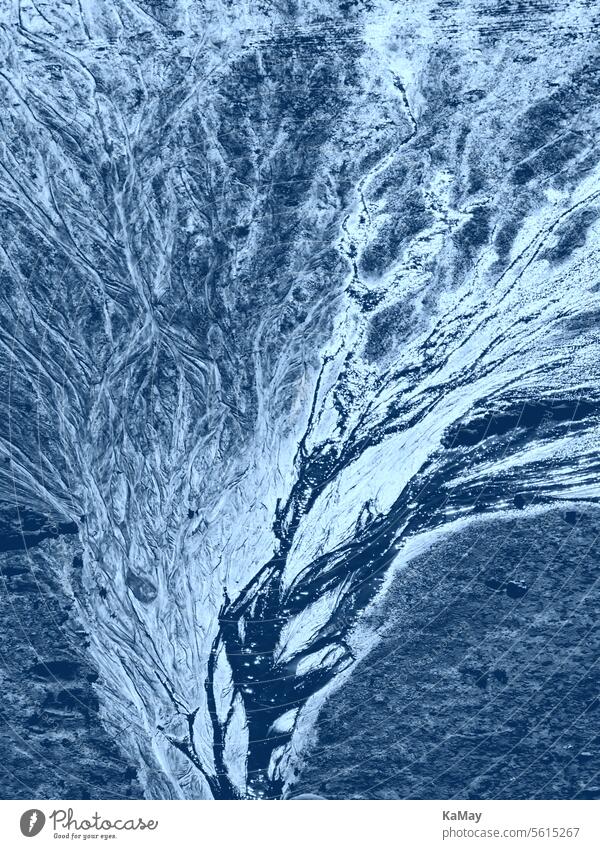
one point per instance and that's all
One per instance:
(290, 294)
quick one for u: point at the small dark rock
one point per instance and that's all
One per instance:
(64, 670)
(516, 589)
(143, 589)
